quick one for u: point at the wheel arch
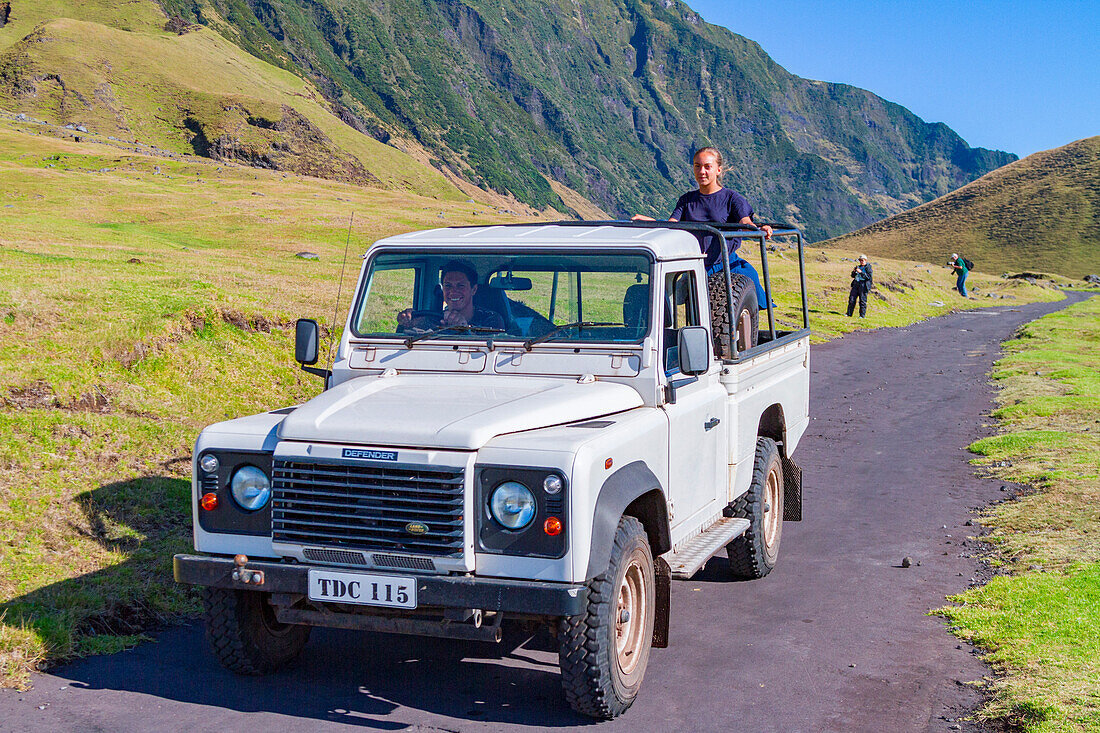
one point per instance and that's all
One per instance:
(774, 425)
(632, 490)
(651, 510)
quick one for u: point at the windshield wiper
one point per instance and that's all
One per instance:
(457, 328)
(554, 332)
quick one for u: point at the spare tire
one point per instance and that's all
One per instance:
(745, 311)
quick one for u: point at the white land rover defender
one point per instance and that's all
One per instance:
(620, 424)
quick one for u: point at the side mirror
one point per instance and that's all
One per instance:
(306, 337)
(693, 344)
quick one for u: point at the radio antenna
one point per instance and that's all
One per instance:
(339, 291)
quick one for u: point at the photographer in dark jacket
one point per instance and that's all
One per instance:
(861, 285)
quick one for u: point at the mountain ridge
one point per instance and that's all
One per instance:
(550, 105)
(610, 97)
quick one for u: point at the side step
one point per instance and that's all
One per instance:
(687, 560)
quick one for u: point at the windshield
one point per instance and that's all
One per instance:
(538, 298)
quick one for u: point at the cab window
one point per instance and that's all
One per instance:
(681, 309)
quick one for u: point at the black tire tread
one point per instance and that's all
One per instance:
(227, 634)
(744, 293)
(582, 655)
(746, 553)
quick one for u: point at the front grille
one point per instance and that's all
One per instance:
(368, 507)
(400, 561)
(337, 557)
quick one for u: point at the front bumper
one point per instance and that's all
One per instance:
(436, 591)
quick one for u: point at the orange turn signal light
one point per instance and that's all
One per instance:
(209, 501)
(552, 526)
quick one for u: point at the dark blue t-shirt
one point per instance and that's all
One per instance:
(724, 206)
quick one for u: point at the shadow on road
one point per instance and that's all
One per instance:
(355, 678)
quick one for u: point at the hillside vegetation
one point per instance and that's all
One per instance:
(1040, 213)
(570, 106)
(142, 298)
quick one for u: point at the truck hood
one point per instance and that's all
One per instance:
(449, 411)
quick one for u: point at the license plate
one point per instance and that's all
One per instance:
(362, 588)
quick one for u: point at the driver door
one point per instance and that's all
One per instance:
(696, 420)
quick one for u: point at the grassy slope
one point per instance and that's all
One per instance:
(122, 75)
(1041, 621)
(129, 15)
(1041, 213)
(137, 307)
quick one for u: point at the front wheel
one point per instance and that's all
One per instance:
(754, 554)
(245, 635)
(603, 653)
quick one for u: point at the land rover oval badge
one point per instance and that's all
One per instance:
(416, 528)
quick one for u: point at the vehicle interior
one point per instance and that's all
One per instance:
(582, 297)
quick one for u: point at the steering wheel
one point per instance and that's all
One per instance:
(421, 320)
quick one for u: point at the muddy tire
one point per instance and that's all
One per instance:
(754, 554)
(244, 634)
(603, 653)
(745, 310)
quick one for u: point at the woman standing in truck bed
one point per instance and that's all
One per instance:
(713, 203)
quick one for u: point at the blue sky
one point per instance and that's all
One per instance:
(1004, 74)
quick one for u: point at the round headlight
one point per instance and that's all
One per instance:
(552, 484)
(512, 504)
(209, 463)
(251, 488)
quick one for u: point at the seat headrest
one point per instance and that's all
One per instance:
(636, 306)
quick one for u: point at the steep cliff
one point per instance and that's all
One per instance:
(608, 97)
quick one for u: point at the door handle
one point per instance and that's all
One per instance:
(713, 422)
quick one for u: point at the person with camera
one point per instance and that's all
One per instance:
(861, 285)
(959, 266)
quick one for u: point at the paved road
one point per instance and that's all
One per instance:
(837, 638)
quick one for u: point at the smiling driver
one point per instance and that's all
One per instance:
(459, 287)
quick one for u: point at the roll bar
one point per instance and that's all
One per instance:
(742, 231)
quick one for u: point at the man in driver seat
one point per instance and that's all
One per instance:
(459, 282)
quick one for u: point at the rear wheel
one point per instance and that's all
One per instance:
(603, 653)
(245, 635)
(754, 554)
(745, 313)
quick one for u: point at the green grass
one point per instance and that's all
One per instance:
(137, 307)
(1043, 630)
(109, 367)
(1041, 622)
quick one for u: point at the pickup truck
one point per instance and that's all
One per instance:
(604, 419)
